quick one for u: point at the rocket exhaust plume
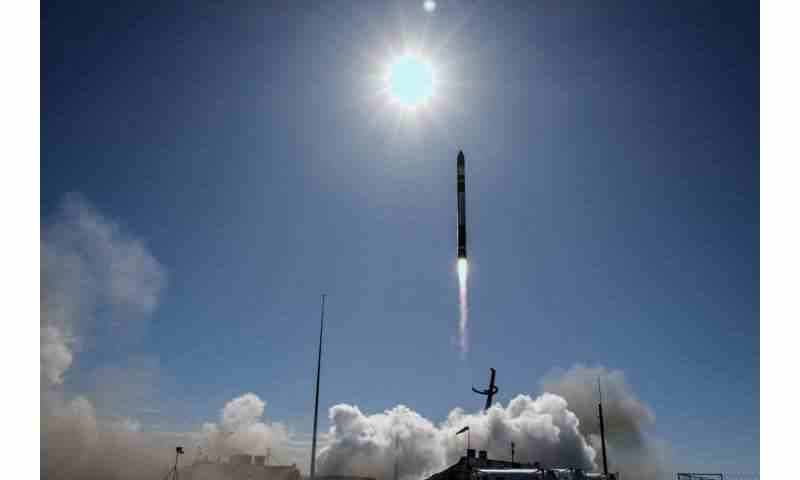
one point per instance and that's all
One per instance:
(462, 304)
(462, 253)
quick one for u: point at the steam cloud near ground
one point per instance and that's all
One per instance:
(542, 429)
(88, 266)
(93, 272)
(557, 428)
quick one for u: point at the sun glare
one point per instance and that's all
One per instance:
(410, 80)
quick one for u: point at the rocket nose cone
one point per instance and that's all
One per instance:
(460, 159)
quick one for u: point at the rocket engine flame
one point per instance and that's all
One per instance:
(462, 305)
(462, 273)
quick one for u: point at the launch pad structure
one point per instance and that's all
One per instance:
(489, 392)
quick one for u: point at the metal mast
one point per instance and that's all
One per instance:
(602, 429)
(489, 392)
(316, 394)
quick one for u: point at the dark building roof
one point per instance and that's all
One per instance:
(469, 466)
(465, 466)
(340, 477)
(238, 469)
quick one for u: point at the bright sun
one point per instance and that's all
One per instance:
(410, 80)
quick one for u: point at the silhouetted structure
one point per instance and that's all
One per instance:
(482, 467)
(316, 392)
(462, 208)
(239, 467)
(342, 477)
(173, 473)
(602, 427)
(489, 392)
(700, 476)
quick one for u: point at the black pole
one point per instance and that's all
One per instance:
(492, 390)
(602, 429)
(174, 472)
(603, 439)
(316, 394)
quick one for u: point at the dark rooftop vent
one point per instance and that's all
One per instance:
(241, 459)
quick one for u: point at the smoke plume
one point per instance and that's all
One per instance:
(558, 428)
(241, 429)
(91, 273)
(364, 444)
(87, 265)
(95, 276)
(76, 443)
(463, 271)
(543, 429)
(629, 449)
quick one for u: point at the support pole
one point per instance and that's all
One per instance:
(602, 429)
(316, 394)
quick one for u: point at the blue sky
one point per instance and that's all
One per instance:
(612, 201)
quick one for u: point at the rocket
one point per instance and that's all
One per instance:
(462, 214)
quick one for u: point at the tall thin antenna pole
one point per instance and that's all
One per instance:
(602, 428)
(316, 394)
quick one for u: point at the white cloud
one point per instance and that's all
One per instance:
(363, 444)
(88, 263)
(56, 356)
(630, 450)
(242, 411)
(242, 429)
(543, 429)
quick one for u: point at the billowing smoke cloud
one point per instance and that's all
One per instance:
(558, 428)
(56, 356)
(78, 444)
(241, 429)
(543, 429)
(89, 265)
(95, 276)
(364, 445)
(629, 449)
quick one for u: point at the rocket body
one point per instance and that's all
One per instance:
(462, 213)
